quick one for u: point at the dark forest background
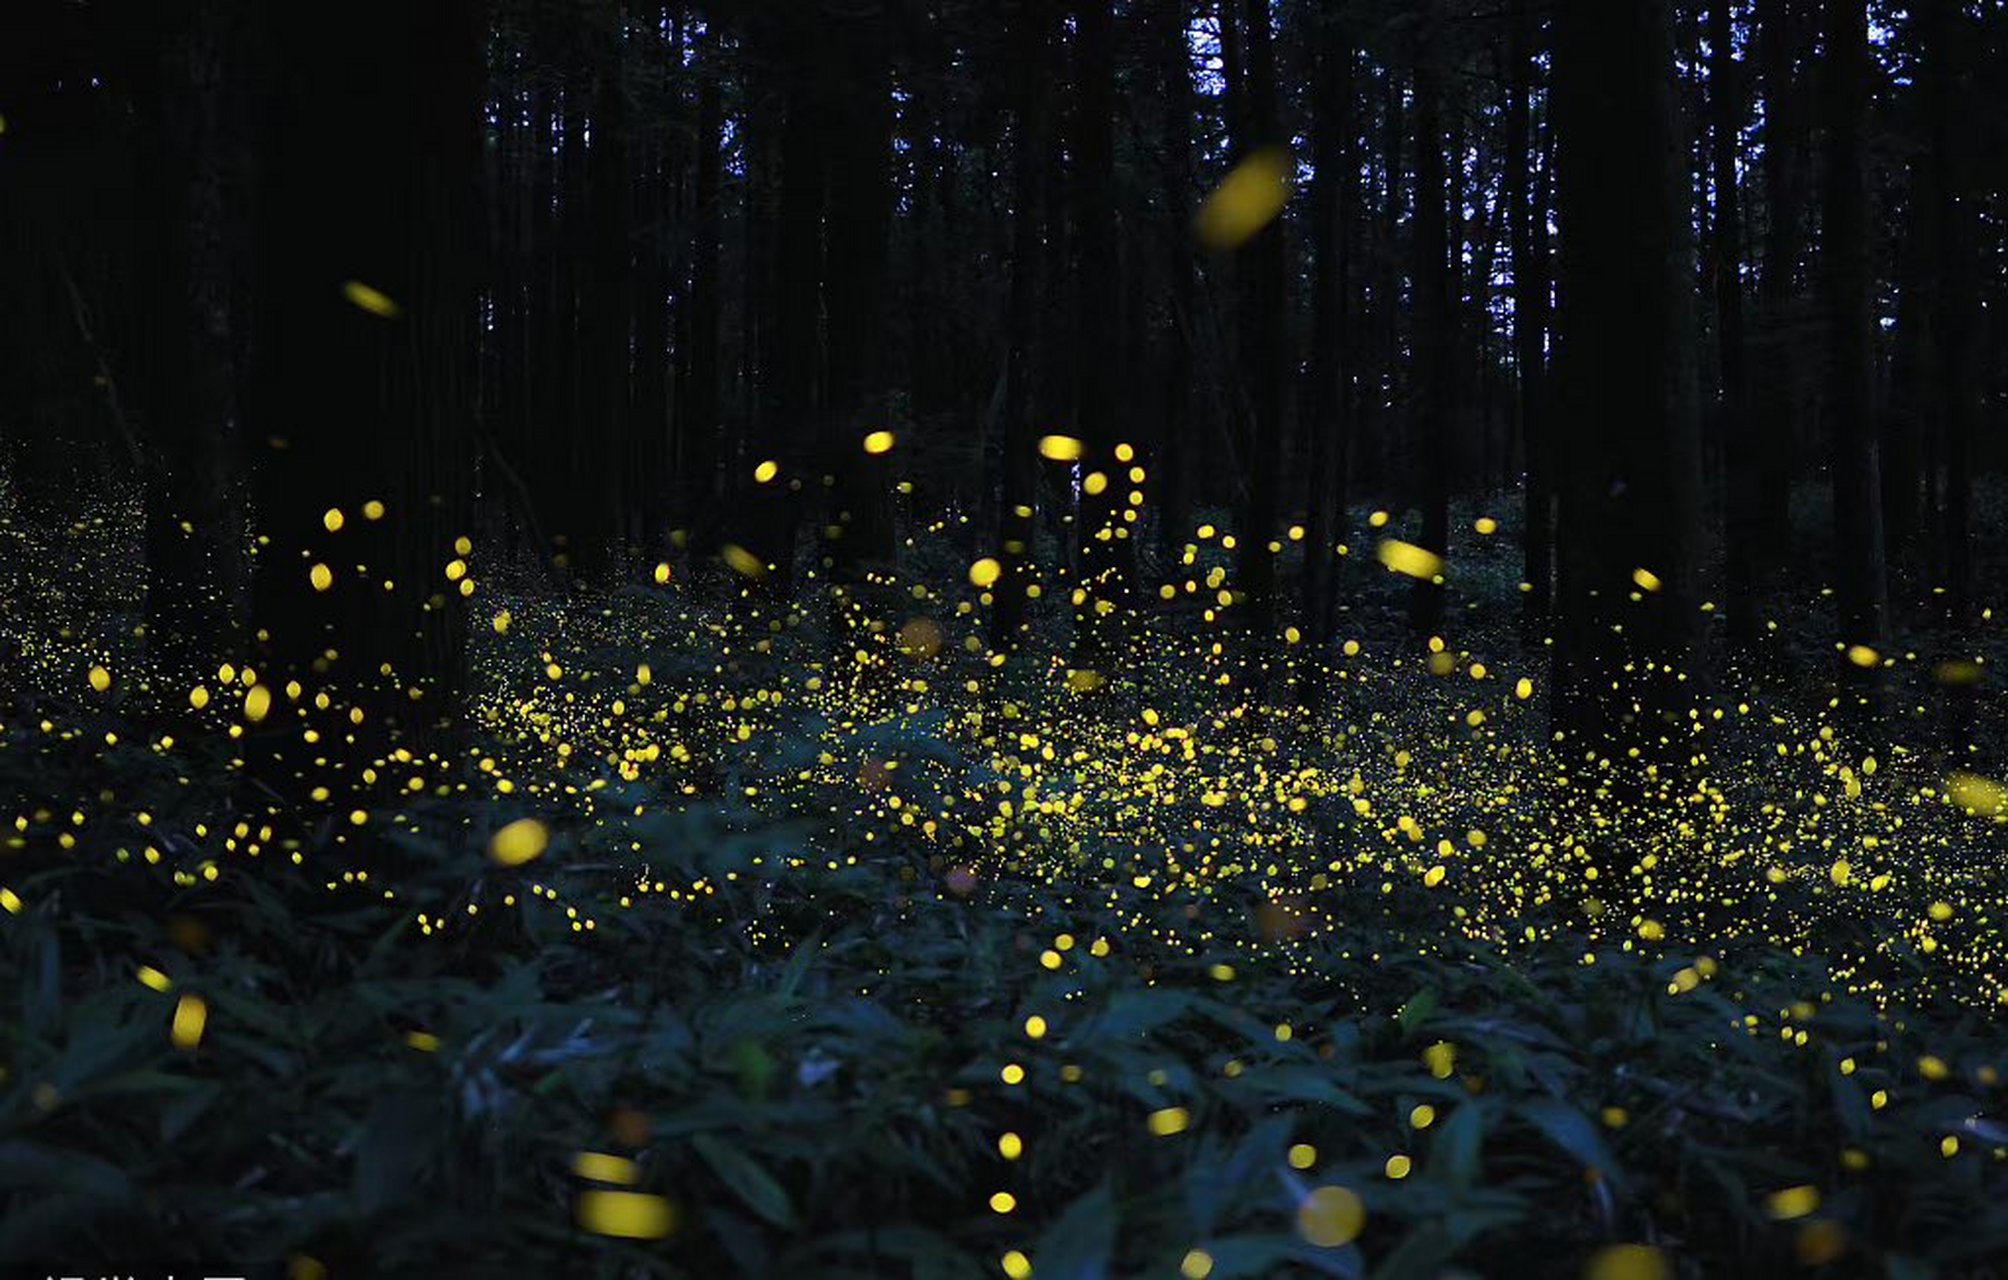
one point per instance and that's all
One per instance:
(1712, 291)
(857, 638)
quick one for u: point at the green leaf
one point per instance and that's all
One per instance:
(1573, 1132)
(746, 1179)
(1080, 1244)
(1417, 1010)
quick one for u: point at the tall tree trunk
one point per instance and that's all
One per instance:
(1743, 495)
(1860, 589)
(1174, 459)
(195, 564)
(788, 432)
(698, 424)
(856, 248)
(1265, 358)
(1435, 337)
(662, 157)
(1528, 218)
(600, 450)
(1631, 489)
(362, 390)
(1330, 399)
(1031, 41)
(1949, 38)
(1098, 319)
(1776, 394)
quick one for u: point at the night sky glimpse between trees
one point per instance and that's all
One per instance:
(1062, 638)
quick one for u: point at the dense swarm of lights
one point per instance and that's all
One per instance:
(1422, 791)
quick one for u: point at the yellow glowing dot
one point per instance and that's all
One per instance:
(198, 697)
(367, 299)
(661, 573)
(1016, 1265)
(257, 703)
(742, 561)
(1410, 560)
(1441, 1059)
(1012, 1073)
(101, 679)
(1980, 795)
(1524, 689)
(372, 510)
(359, 817)
(1303, 1155)
(1792, 1202)
(1863, 656)
(596, 1167)
(423, 1041)
(1932, 1068)
(985, 572)
(10, 900)
(1331, 1216)
(1060, 448)
(519, 842)
(1198, 1265)
(1486, 525)
(191, 1015)
(1646, 580)
(1249, 198)
(1398, 1167)
(154, 978)
(879, 442)
(1003, 1202)
(766, 471)
(1422, 1116)
(1169, 1120)
(1094, 483)
(1378, 519)
(630, 1215)
(1628, 1262)
(1035, 1027)
(332, 520)
(501, 622)
(1010, 1146)
(321, 576)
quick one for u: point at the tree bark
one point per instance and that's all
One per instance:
(1435, 336)
(1631, 489)
(1860, 589)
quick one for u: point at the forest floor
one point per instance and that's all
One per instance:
(723, 946)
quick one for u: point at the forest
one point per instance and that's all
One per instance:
(950, 638)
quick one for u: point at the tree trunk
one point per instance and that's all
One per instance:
(1265, 358)
(1860, 589)
(1098, 319)
(1329, 397)
(1031, 40)
(856, 249)
(196, 574)
(1530, 315)
(1949, 37)
(1742, 461)
(1776, 394)
(1174, 459)
(362, 389)
(1631, 488)
(698, 425)
(1435, 337)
